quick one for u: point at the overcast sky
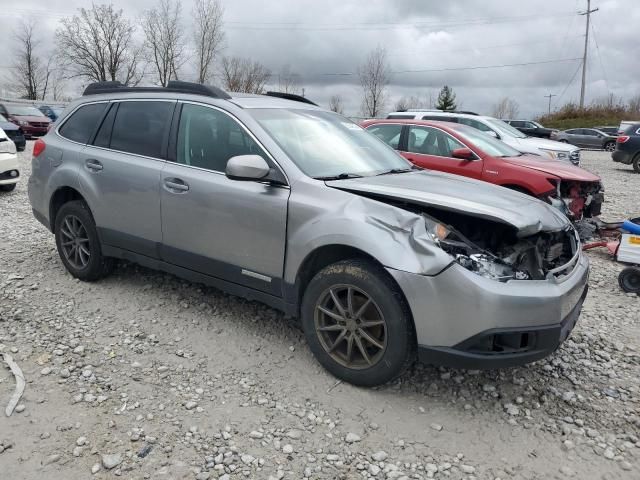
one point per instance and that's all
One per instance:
(325, 41)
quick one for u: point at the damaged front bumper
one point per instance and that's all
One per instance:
(464, 320)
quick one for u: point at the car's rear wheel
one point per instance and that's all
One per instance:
(8, 188)
(78, 243)
(610, 146)
(357, 323)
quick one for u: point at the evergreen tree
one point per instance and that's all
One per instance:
(446, 99)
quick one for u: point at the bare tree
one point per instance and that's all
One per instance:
(208, 35)
(164, 40)
(97, 45)
(506, 108)
(634, 105)
(288, 82)
(374, 77)
(413, 101)
(30, 75)
(335, 104)
(244, 75)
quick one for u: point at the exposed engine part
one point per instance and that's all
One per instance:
(578, 200)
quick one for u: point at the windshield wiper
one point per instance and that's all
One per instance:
(340, 176)
(398, 170)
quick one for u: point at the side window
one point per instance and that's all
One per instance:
(475, 124)
(529, 125)
(389, 134)
(141, 127)
(83, 122)
(589, 132)
(431, 141)
(103, 138)
(208, 138)
(441, 118)
(574, 131)
(518, 124)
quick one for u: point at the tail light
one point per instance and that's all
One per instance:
(623, 139)
(38, 147)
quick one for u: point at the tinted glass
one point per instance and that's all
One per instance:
(589, 132)
(517, 123)
(208, 138)
(324, 144)
(104, 134)
(389, 134)
(140, 127)
(431, 141)
(83, 122)
(392, 116)
(474, 123)
(574, 131)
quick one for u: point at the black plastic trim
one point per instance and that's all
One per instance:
(173, 86)
(291, 96)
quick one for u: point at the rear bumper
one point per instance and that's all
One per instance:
(463, 319)
(620, 156)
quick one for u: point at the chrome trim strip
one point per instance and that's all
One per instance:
(259, 276)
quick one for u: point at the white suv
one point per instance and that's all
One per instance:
(9, 172)
(501, 130)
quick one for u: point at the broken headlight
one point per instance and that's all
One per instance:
(469, 255)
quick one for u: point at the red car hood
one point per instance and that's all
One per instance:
(563, 170)
(32, 118)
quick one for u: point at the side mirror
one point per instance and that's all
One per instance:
(493, 134)
(463, 154)
(247, 167)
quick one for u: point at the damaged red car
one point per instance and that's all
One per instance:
(466, 151)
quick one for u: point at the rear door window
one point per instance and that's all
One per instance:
(389, 134)
(141, 127)
(432, 141)
(83, 122)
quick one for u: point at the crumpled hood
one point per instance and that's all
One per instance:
(557, 168)
(465, 195)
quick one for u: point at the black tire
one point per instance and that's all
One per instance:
(8, 188)
(629, 280)
(97, 266)
(563, 141)
(367, 280)
(636, 163)
(610, 146)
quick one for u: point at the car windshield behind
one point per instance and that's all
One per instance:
(486, 143)
(23, 110)
(504, 128)
(325, 144)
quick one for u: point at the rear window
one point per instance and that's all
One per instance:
(141, 127)
(83, 122)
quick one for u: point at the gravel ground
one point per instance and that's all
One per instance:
(144, 375)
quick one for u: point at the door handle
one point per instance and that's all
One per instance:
(93, 165)
(175, 185)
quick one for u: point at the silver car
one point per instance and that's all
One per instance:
(587, 138)
(286, 203)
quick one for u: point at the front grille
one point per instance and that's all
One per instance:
(575, 157)
(39, 124)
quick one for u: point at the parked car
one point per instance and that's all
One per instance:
(9, 168)
(14, 132)
(531, 128)
(611, 130)
(286, 203)
(502, 131)
(627, 149)
(587, 138)
(31, 120)
(626, 124)
(462, 150)
(52, 112)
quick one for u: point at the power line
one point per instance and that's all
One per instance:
(570, 82)
(604, 72)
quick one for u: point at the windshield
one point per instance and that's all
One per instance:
(537, 124)
(24, 111)
(325, 144)
(504, 128)
(486, 143)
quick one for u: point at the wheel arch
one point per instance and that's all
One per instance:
(61, 196)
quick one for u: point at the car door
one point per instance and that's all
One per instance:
(229, 229)
(121, 174)
(430, 147)
(574, 136)
(591, 138)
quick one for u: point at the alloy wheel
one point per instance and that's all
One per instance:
(75, 242)
(350, 326)
(610, 147)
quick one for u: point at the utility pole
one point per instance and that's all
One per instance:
(586, 47)
(550, 96)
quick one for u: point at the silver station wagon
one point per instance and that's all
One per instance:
(277, 200)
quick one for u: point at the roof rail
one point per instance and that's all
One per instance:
(291, 96)
(465, 112)
(174, 86)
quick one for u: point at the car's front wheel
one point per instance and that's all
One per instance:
(357, 323)
(78, 243)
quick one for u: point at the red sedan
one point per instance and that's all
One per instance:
(462, 150)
